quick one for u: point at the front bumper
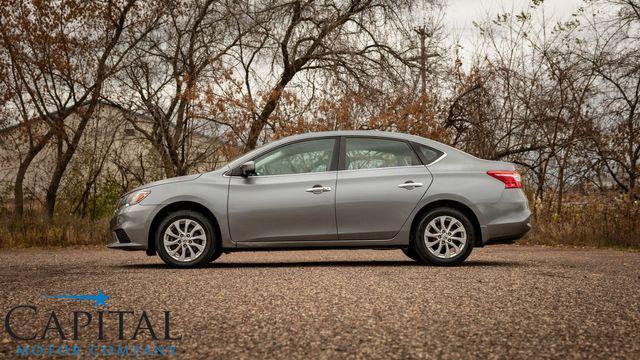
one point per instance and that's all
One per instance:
(129, 227)
(125, 246)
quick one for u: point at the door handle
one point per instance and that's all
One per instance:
(318, 189)
(410, 185)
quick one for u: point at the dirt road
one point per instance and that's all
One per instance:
(504, 302)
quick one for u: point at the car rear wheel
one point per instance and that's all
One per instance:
(186, 239)
(444, 236)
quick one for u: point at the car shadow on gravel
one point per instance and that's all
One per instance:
(332, 263)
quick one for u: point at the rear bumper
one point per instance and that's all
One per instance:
(508, 219)
(509, 231)
(129, 228)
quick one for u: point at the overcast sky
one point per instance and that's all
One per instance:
(461, 13)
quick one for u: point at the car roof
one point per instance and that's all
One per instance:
(371, 133)
(375, 133)
(356, 133)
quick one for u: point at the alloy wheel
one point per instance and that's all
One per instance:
(445, 237)
(185, 240)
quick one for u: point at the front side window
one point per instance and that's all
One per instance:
(370, 153)
(298, 158)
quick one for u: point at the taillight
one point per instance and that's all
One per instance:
(511, 179)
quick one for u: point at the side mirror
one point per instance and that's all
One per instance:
(248, 169)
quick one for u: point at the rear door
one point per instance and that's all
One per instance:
(380, 182)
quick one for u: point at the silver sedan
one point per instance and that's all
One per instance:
(343, 189)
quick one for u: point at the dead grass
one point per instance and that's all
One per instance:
(35, 231)
(601, 222)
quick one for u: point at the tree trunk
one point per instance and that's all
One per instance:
(167, 164)
(259, 123)
(65, 157)
(54, 182)
(560, 189)
(18, 193)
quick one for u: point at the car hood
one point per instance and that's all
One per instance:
(167, 181)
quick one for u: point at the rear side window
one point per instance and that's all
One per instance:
(370, 153)
(428, 154)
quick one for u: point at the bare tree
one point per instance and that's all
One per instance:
(353, 42)
(524, 100)
(614, 55)
(168, 75)
(61, 55)
(93, 155)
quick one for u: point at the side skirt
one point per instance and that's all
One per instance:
(297, 247)
(399, 241)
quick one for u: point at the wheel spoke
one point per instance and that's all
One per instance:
(196, 228)
(170, 242)
(431, 243)
(174, 251)
(452, 221)
(431, 226)
(197, 246)
(170, 231)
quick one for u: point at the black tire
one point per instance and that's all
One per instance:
(420, 247)
(211, 249)
(215, 256)
(411, 254)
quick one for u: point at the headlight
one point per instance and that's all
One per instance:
(136, 197)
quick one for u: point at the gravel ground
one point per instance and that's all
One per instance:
(504, 302)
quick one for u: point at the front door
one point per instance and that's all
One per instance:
(379, 185)
(290, 198)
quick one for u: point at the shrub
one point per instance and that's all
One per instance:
(595, 222)
(62, 231)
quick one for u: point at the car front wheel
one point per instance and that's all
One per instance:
(186, 239)
(444, 236)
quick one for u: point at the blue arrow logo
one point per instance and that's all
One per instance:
(100, 299)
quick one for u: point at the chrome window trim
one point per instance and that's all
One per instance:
(444, 154)
(383, 168)
(343, 151)
(268, 176)
(336, 171)
(336, 140)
